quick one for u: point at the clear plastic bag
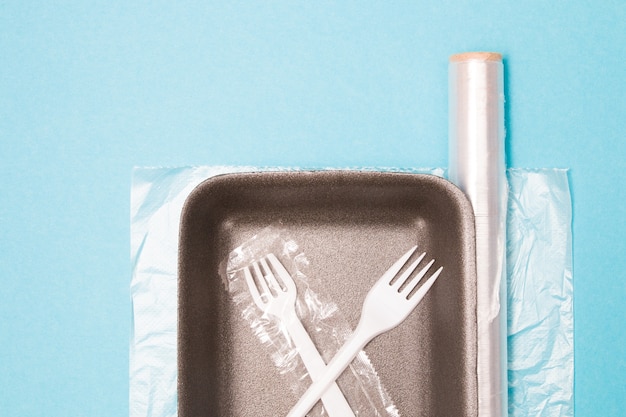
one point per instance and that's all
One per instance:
(323, 320)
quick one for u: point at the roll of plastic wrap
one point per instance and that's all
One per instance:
(477, 166)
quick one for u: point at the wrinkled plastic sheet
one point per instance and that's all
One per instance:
(540, 294)
(540, 291)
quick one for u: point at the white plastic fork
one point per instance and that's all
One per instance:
(280, 301)
(386, 305)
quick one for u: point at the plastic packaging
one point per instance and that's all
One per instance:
(477, 167)
(323, 320)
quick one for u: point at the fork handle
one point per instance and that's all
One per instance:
(360, 337)
(332, 398)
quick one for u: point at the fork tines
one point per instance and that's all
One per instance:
(267, 278)
(407, 283)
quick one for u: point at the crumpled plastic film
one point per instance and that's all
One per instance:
(539, 303)
(157, 197)
(540, 294)
(328, 328)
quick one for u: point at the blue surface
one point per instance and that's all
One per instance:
(88, 90)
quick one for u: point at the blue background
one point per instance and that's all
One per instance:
(90, 89)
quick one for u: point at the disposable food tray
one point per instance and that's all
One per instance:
(352, 225)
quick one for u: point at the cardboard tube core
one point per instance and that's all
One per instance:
(476, 56)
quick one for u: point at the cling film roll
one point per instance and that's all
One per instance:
(477, 166)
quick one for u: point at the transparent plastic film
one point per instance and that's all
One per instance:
(269, 278)
(540, 294)
(476, 101)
